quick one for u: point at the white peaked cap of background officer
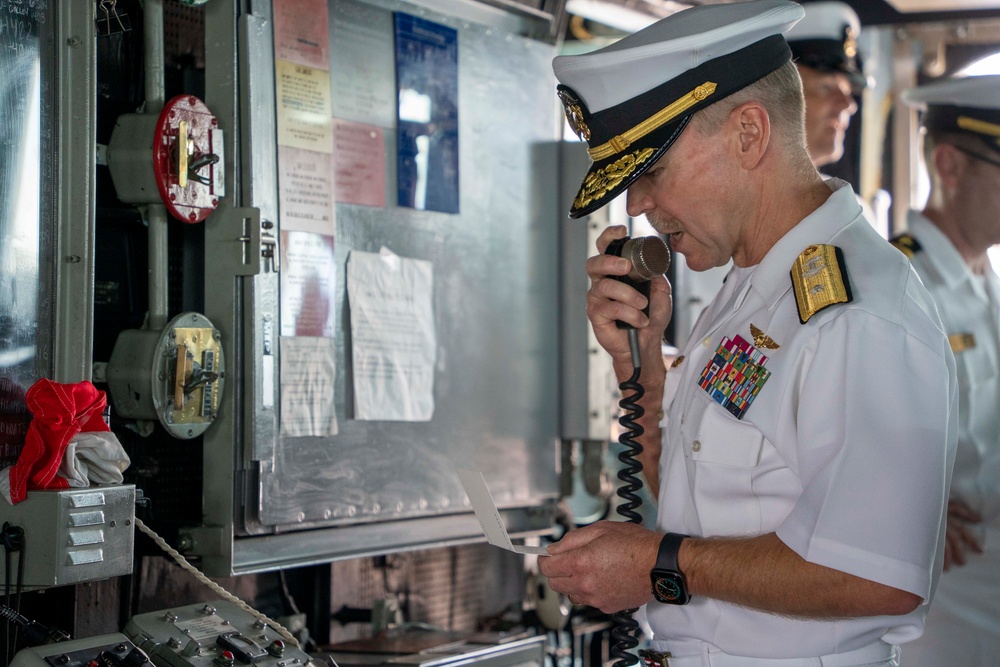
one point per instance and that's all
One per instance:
(969, 105)
(630, 101)
(826, 40)
(981, 92)
(824, 20)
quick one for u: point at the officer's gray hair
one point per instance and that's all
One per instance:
(781, 94)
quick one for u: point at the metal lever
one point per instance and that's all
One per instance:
(197, 163)
(269, 246)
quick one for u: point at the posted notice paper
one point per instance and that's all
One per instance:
(393, 339)
(308, 374)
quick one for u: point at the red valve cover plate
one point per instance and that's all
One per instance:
(196, 200)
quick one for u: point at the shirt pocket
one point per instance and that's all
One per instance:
(725, 453)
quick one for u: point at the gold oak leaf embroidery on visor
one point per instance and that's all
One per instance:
(597, 184)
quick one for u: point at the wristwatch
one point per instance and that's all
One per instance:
(669, 586)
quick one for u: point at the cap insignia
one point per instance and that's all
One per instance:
(978, 126)
(598, 183)
(961, 341)
(619, 143)
(574, 114)
(850, 42)
(819, 280)
(761, 339)
(906, 244)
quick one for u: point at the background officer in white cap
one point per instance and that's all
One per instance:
(803, 456)
(825, 50)
(947, 244)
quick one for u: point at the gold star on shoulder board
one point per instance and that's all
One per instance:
(761, 339)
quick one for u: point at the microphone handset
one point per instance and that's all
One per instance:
(650, 257)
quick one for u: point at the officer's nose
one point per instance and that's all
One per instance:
(638, 199)
(852, 105)
(846, 100)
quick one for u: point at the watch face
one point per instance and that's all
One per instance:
(669, 588)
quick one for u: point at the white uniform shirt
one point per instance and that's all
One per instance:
(845, 452)
(963, 627)
(964, 304)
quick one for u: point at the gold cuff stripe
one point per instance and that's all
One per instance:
(662, 117)
(980, 126)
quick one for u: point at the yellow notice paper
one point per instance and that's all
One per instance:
(304, 115)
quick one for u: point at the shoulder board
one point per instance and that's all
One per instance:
(906, 244)
(960, 342)
(819, 279)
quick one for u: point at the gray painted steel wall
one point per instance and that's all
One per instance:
(495, 297)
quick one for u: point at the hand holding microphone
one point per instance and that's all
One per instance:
(649, 257)
(610, 299)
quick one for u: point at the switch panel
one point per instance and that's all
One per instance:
(73, 536)
(214, 634)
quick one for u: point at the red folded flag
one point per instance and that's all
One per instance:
(60, 412)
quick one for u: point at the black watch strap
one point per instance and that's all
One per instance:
(666, 557)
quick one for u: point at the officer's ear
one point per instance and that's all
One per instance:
(949, 164)
(752, 128)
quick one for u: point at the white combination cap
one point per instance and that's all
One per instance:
(826, 39)
(969, 105)
(631, 100)
(824, 20)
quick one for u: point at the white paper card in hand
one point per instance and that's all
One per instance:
(488, 514)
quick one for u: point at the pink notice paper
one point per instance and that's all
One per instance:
(308, 284)
(301, 32)
(359, 163)
(305, 191)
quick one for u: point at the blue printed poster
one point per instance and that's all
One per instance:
(427, 102)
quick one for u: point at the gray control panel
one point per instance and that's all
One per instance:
(112, 650)
(214, 634)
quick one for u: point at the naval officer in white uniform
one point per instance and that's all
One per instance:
(947, 243)
(801, 445)
(824, 47)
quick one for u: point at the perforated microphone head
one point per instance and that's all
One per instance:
(649, 255)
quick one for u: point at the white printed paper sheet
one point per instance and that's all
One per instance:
(308, 374)
(489, 516)
(393, 338)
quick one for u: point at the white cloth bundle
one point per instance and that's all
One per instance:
(94, 457)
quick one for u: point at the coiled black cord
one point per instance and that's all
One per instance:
(631, 483)
(626, 631)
